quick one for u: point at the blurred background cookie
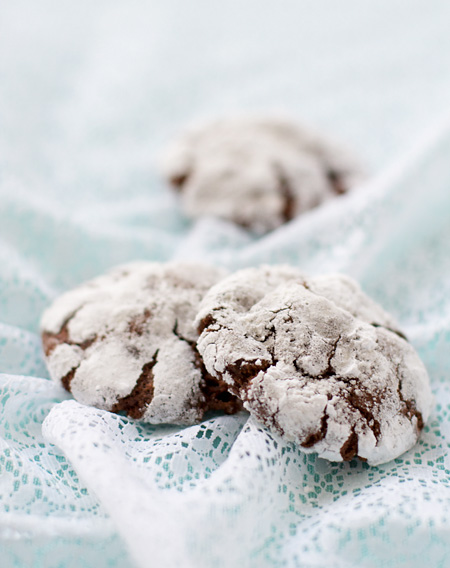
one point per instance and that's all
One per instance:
(125, 341)
(258, 172)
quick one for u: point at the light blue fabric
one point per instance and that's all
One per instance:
(89, 94)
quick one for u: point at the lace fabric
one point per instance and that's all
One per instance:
(80, 487)
(227, 492)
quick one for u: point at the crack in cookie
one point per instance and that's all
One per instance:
(287, 192)
(337, 183)
(396, 331)
(135, 403)
(409, 407)
(312, 439)
(350, 448)
(243, 372)
(137, 324)
(51, 340)
(215, 390)
(67, 379)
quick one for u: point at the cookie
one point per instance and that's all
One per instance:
(125, 342)
(316, 361)
(257, 172)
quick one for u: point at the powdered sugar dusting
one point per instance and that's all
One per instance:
(257, 171)
(123, 340)
(340, 382)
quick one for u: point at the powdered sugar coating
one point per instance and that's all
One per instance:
(126, 341)
(258, 172)
(340, 382)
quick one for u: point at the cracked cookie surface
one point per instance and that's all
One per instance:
(316, 361)
(126, 341)
(258, 172)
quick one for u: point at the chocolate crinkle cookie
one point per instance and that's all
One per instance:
(126, 341)
(258, 172)
(316, 361)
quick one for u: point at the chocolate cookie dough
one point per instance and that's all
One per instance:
(316, 361)
(257, 172)
(125, 341)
